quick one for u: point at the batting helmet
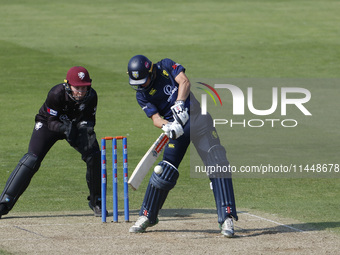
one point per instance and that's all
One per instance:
(139, 70)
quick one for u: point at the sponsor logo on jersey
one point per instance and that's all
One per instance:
(63, 117)
(152, 91)
(170, 92)
(171, 146)
(214, 134)
(52, 112)
(167, 90)
(81, 107)
(165, 74)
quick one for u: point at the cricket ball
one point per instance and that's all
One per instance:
(158, 169)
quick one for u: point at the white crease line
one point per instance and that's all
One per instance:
(52, 238)
(29, 231)
(275, 222)
(51, 224)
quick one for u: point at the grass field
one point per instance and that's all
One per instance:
(41, 40)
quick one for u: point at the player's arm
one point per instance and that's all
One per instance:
(171, 129)
(183, 86)
(158, 121)
(53, 110)
(180, 112)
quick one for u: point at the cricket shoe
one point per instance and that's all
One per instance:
(97, 210)
(227, 228)
(141, 224)
(3, 210)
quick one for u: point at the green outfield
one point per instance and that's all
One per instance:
(214, 40)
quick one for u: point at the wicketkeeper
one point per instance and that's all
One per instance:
(68, 113)
(163, 92)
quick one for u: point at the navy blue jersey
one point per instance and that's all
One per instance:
(163, 92)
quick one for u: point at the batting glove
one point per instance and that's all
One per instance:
(173, 129)
(180, 113)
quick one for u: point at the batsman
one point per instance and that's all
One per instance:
(163, 92)
(68, 113)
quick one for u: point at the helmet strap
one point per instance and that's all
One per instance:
(70, 93)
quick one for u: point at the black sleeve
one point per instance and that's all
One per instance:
(54, 106)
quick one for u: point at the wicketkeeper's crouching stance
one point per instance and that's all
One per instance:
(163, 92)
(68, 113)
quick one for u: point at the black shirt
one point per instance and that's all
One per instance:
(59, 105)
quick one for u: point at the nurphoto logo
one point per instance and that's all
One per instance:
(280, 99)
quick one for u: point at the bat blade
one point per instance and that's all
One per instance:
(147, 161)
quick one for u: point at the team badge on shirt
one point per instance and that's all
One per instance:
(38, 125)
(81, 107)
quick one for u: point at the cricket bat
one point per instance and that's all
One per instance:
(147, 161)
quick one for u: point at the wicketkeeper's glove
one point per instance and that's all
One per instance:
(88, 125)
(70, 131)
(86, 135)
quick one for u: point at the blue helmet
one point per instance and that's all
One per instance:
(139, 70)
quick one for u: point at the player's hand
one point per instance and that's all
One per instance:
(173, 129)
(69, 130)
(180, 113)
(86, 125)
(86, 135)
